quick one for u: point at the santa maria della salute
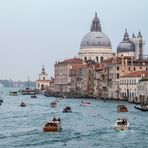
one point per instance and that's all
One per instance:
(99, 72)
(96, 45)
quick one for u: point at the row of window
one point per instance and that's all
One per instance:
(130, 95)
(128, 82)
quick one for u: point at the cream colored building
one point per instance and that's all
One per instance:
(143, 88)
(43, 82)
(129, 85)
(115, 68)
(95, 45)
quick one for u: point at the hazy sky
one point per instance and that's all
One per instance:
(40, 32)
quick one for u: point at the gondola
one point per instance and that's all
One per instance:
(141, 108)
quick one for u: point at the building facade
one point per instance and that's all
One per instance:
(43, 82)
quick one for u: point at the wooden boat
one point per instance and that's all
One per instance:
(122, 108)
(142, 108)
(67, 109)
(52, 126)
(121, 124)
(23, 104)
(85, 103)
(53, 104)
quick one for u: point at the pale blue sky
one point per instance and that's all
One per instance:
(40, 32)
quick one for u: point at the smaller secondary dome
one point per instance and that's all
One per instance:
(126, 45)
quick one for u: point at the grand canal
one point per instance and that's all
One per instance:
(87, 127)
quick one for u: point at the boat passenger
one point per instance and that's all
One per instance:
(59, 119)
(54, 119)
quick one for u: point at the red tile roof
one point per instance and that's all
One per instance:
(137, 74)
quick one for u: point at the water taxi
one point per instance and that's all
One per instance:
(23, 104)
(122, 108)
(52, 126)
(121, 124)
(67, 109)
(53, 104)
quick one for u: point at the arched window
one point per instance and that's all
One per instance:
(97, 59)
(85, 58)
(101, 59)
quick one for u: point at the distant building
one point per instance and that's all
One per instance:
(115, 68)
(95, 45)
(129, 85)
(63, 80)
(43, 82)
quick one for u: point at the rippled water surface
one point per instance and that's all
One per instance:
(87, 127)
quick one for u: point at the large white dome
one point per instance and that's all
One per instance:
(95, 40)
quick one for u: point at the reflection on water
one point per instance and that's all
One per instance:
(88, 127)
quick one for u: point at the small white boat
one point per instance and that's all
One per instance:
(85, 103)
(122, 124)
(53, 104)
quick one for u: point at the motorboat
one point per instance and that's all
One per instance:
(53, 104)
(13, 93)
(142, 107)
(28, 91)
(85, 103)
(52, 126)
(23, 104)
(33, 96)
(1, 100)
(67, 109)
(56, 100)
(122, 108)
(122, 124)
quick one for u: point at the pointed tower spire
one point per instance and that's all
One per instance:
(133, 36)
(43, 69)
(96, 26)
(126, 36)
(95, 14)
(139, 35)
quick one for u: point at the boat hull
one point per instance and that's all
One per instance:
(85, 104)
(121, 128)
(51, 129)
(142, 109)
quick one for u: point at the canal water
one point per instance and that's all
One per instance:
(87, 127)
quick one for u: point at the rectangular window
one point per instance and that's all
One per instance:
(117, 75)
(129, 68)
(117, 67)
